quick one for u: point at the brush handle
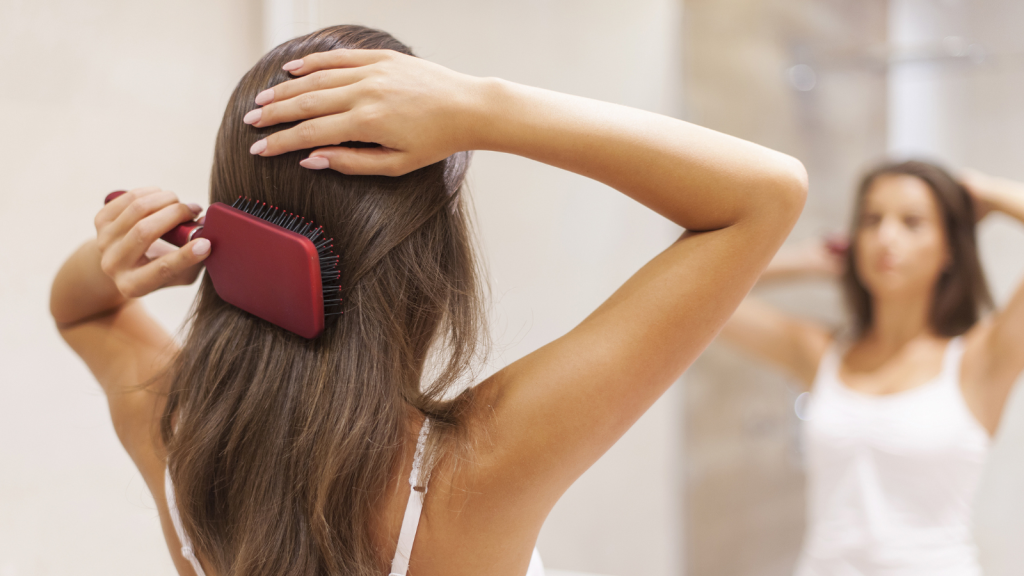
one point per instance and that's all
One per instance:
(179, 235)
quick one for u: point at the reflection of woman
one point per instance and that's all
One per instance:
(288, 457)
(901, 414)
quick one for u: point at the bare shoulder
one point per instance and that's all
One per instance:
(975, 341)
(480, 480)
(475, 518)
(479, 466)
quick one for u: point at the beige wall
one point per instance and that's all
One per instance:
(108, 94)
(97, 96)
(744, 481)
(887, 82)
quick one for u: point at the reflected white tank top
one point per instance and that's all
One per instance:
(891, 479)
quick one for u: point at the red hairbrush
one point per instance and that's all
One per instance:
(268, 262)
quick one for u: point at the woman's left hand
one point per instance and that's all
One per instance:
(982, 189)
(417, 111)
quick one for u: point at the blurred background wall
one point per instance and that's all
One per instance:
(841, 85)
(798, 76)
(101, 95)
(956, 92)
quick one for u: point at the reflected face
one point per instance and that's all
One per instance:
(901, 245)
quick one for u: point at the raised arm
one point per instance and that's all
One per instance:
(550, 415)
(94, 302)
(557, 410)
(996, 345)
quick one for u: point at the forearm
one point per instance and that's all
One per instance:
(1008, 198)
(81, 290)
(790, 264)
(786, 266)
(698, 178)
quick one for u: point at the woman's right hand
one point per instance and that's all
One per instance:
(127, 232)
(417, 111)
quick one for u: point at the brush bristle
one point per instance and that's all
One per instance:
(330, 276)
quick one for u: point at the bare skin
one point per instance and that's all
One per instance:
(541, 422)
(901, 254)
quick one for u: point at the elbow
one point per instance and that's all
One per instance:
(58, 308)
(55, 308)
(789, 184)
(800, 180)
(60, 312)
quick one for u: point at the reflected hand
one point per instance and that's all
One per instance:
(128, 230)
(417, 111)
(829, 257)
(982, 189)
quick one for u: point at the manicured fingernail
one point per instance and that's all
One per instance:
(202, 246)
(265, 97)
(195, 208)
(293, 65)
(253, 116)
(258, 147)
(315, 163)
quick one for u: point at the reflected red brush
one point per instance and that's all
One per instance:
(268, 262)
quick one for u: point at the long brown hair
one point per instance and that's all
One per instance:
(961, 293)
(281, 448)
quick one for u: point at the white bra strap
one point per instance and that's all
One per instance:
(186, 542)
(413, 509)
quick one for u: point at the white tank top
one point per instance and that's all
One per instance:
(891, 479)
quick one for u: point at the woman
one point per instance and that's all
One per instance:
(268, 454)
(900, 413)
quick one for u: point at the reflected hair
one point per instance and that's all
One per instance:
(961, 294)
(281, 448)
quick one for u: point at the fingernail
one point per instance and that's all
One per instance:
(265, 97)
(315, 163)
(202, 246)
(253, 116)
(258, 147)
(195, 208)
(293, 65)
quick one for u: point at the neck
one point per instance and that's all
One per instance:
(898, 319)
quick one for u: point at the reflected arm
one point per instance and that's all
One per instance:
(1001, 338)
(792, 344)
